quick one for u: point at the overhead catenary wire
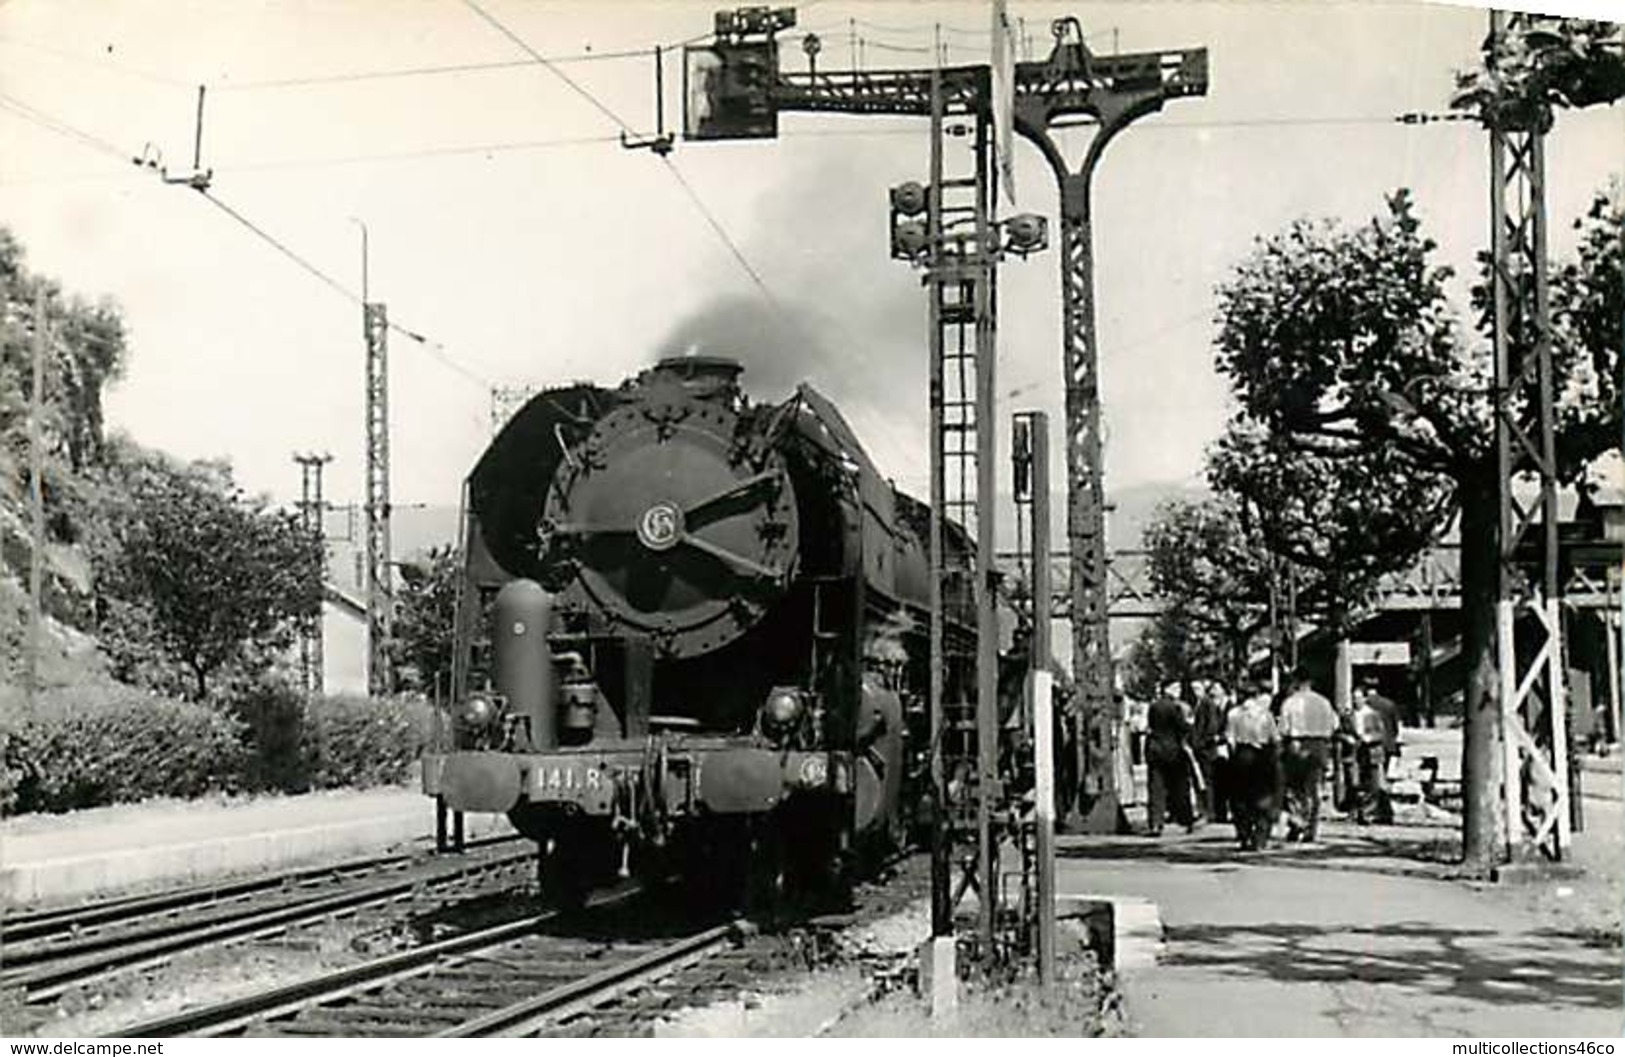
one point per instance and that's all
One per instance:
(1411, 118)
(603, 108)
(433, 348)
(442, 69)
(52, 123)
(95, 62)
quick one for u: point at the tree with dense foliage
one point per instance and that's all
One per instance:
(1340, 519)
(1548, 62)
(198, 574)
(1216, 577)
(1170, 648)
(425, 619)
(1341, 345)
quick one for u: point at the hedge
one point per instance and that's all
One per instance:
(363, 741)
(91, 746)
(331, 742)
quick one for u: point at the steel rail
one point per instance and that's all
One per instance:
(19, 926)
(223, 1017)
(55, 971)
(526, 1016)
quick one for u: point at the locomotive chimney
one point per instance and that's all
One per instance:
(524, 663)
(704, 377)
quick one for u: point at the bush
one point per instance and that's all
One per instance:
(93, 745)
(361, 741)
(276, 747)
(345, 741)
(90, 746)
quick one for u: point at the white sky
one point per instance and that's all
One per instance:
(546, 264)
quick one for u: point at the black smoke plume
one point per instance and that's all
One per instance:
(843, 316)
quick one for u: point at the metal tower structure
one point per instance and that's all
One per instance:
(312, 515)
(733, 89)
(1109, 93)
(960, 275)
(380, 615)
(1534, 728)
(1029, 449)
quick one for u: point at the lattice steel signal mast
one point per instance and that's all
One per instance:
(313, 516)
(380, 608)
(1534, 727)
(740, 91)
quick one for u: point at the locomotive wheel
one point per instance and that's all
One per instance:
(767, 870)
(711, 865)
(561, 873)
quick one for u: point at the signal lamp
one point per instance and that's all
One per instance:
(908, 199)
(1025, 233)
(909, 240)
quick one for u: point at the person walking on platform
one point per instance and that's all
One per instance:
(1207, 735)
(1308, 724)
(1166, 763)
(1390, 716)
(1371, 735)
(1253, 739)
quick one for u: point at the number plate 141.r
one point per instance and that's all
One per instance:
(570, 780)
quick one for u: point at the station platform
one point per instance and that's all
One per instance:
(1369, 932)
(50, 859)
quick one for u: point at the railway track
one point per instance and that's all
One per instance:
(624, 962)
(50, 952)
(509, 979)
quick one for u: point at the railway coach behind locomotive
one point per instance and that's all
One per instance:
(691, 637)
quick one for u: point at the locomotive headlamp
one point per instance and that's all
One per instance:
(782, 708)
(479, 711)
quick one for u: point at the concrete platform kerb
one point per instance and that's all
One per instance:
(131, 847)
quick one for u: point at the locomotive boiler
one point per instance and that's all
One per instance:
(691, 637)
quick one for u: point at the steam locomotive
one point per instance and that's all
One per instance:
(691, 638)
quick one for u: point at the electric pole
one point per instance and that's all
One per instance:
(380, 597)
(36, 499)
(1030, 446)
(1534, 703)
(312, 515)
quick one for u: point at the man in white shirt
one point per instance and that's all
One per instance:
(1371, 732)
(1308, 723)
(1251, 735)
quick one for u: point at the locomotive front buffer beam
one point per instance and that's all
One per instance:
(636, 788)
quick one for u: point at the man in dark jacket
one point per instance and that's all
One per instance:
(1207, 735)
(1167, 763)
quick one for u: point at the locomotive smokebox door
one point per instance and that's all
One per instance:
(672, 526)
